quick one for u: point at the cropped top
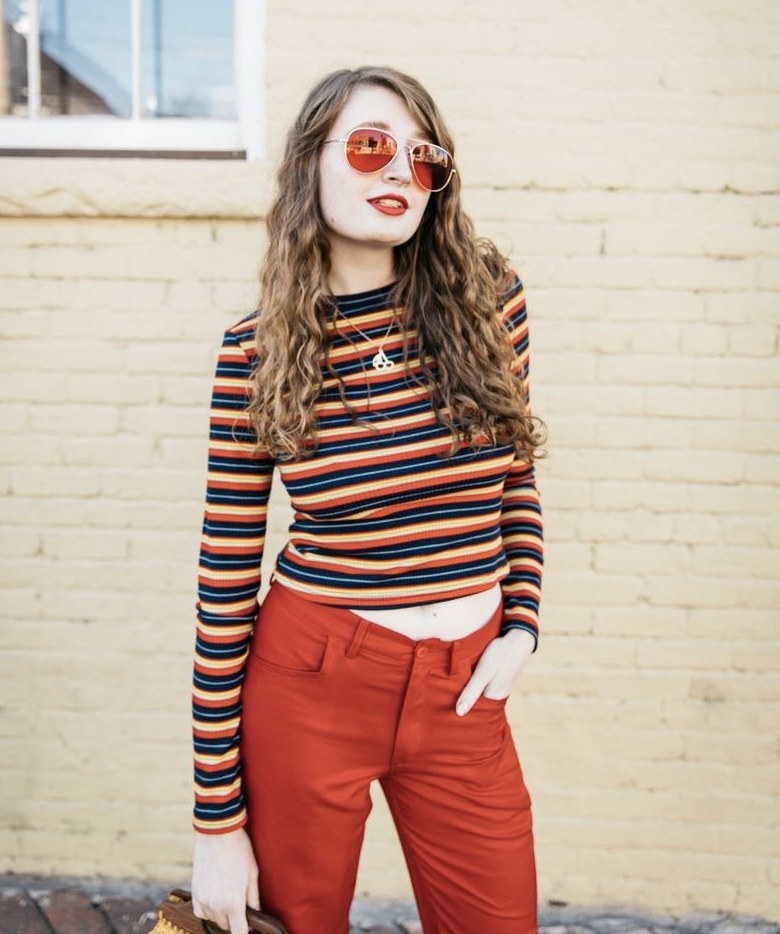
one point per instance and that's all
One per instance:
(384, 515)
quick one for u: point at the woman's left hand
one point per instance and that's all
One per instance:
(497, 669)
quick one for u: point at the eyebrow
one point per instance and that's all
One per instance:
(377, 124)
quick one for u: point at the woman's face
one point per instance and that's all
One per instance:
(377, 211)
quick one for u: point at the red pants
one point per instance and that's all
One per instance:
(333, 702)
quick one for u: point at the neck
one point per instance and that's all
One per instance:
(351, 273)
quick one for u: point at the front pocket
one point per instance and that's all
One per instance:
(491, 701)
(303, 658)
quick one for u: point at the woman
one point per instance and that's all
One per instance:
(385, 378)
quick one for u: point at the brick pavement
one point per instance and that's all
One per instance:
(34, 905)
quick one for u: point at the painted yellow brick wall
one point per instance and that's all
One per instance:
(626, 155)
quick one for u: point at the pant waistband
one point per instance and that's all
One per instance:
(359, 634)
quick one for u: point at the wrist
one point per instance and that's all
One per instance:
(515, 630)
(520, 641)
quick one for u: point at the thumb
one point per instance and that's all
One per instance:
(253, 893)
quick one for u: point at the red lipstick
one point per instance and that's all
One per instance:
(393, 205)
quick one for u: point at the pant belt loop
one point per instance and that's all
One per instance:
(358, 637)
(454, 658)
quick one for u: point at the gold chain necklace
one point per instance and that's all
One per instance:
(380, 361)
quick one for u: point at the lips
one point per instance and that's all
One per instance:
(393, 205)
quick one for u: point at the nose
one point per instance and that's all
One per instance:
(400, 168)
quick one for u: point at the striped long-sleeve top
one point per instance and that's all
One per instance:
(384, 515)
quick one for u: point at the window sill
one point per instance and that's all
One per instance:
(133, 187)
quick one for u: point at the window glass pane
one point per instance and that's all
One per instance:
(85, 57)
(188, 59)
(14, 24)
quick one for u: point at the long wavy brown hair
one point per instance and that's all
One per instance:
(448, 282)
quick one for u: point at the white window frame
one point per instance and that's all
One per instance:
(244, 136)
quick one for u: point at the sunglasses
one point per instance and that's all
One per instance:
(370, 150)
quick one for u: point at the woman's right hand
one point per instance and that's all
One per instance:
(224, 879)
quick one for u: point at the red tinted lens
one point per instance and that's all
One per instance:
(369, 150)
(432, 166)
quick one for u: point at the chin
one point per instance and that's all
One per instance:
(394, 238)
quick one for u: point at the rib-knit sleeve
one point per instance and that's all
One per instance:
(238, 486)
(521, 514)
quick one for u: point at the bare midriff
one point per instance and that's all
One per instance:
(447, 619)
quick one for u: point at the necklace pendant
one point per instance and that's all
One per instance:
(381, 361)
